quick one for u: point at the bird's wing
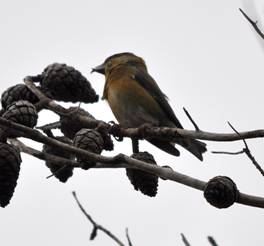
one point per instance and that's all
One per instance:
(150, 85)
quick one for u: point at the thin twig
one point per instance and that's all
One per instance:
(253, 23)
(233, 128)
(212, 241)
(50, 126)
(49, 133)
(57, 172)
(191, 119)
(228, 153)
(59, 161)
(247, 151)
(128, 238)
(185, 241)
(95, 225)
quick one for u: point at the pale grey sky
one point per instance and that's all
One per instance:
(205, 57)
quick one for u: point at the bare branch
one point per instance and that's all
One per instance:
(166, 132)
(212, 241)
(185, 241)
(253, 23)
(95, 225)
(252, 158)
(191, 119)
(229, 153)
(50, 126)
(128, 238)
(59, 161)
(125, 161)
(57, 172)
(247, 151)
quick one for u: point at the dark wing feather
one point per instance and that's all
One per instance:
(150, 85)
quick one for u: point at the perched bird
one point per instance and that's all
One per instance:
(135, 99)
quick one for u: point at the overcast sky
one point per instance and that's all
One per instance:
(205, 57)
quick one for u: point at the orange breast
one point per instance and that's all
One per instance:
(131, 104)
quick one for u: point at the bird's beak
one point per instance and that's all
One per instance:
(99, 69)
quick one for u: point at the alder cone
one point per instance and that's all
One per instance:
(90, 140)
(221, 192)
(64, 83)
(2, 112)
(70, 124)
(10, 161)
(147, 183)
(21, 112)
(108, 142)
(16, 93)
(61, 173)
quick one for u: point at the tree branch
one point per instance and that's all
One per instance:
(245, 150)
(95, 225)
(228, 153)
(185, 241)
(248, 152)
(128, 238)
(121, 159)
(50, 126)
(212, 241)
(59, 161)
(253, 23)
(191, 119)
(41, 155)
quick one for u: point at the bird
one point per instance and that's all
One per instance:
(136, 99)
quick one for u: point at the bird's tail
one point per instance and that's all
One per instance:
(194, 146)
(165, 146)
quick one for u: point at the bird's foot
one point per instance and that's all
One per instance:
(115, 130)
(105, 133)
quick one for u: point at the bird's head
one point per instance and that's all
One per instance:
(117, 60)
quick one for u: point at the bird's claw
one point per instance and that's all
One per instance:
(116, 131)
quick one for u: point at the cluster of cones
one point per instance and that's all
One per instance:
(62, 83)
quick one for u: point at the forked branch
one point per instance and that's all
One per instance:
(96, 226)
